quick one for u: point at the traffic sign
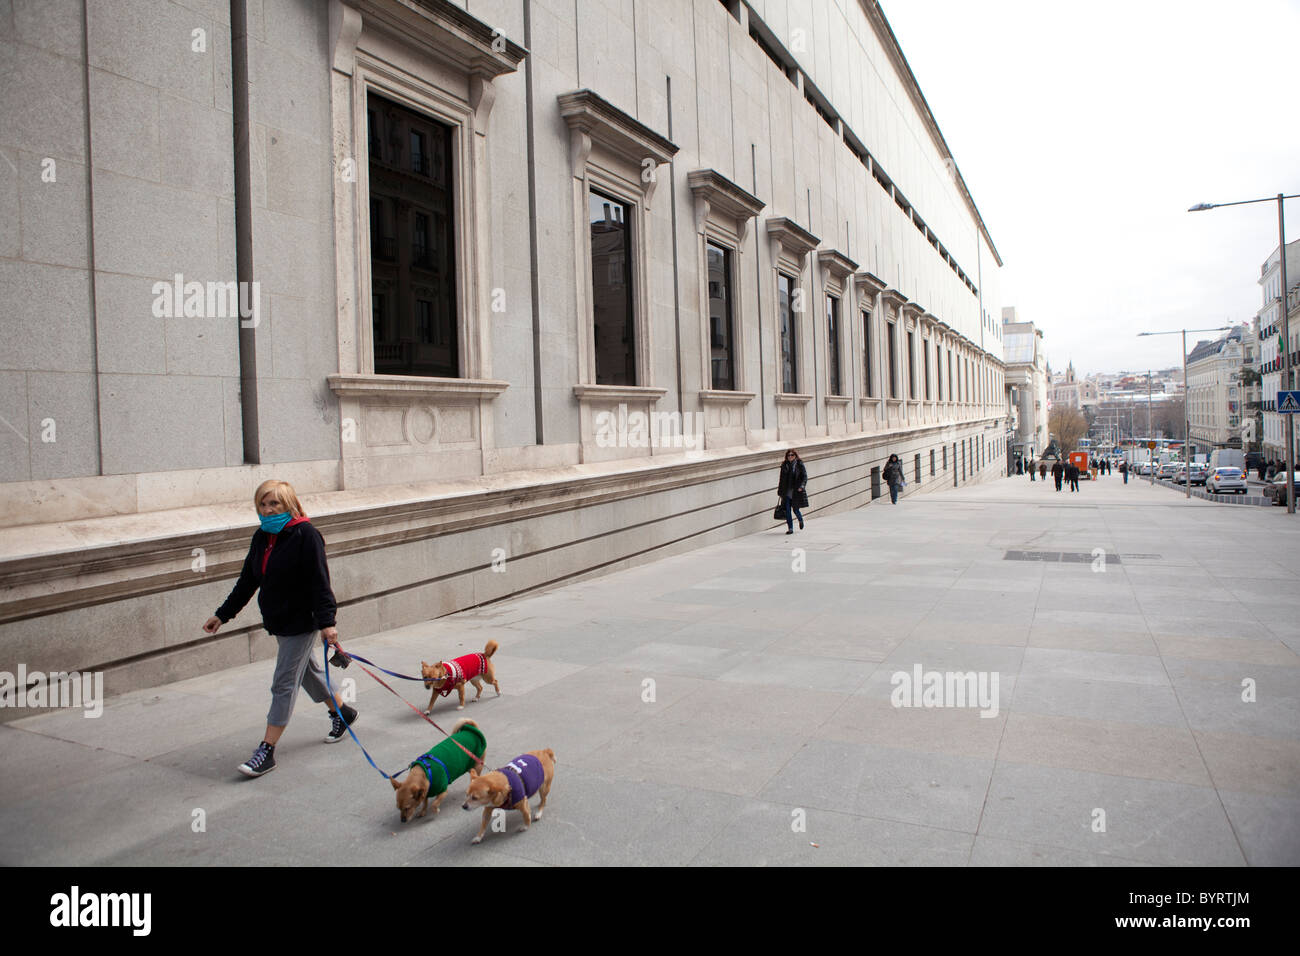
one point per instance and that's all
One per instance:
(1288, 403)
(1151, 444)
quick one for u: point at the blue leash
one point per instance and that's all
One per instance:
(333, 697)
(358, 657)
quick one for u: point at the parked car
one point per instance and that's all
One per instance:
(1275, 490)
(1226, 480)
(1144, 468)
(1168, 469)
(1196, 471)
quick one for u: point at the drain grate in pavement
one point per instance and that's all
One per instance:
(1064, 557)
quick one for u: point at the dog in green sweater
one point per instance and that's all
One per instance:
(432, 773)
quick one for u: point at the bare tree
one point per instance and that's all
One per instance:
(1167, 419)
(1068, 425)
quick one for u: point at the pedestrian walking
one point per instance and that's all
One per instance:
(1072, 476)
(1020, 467)
(1032, 469)
(1058, 473)
(1267, 471)
(894, 475)
(286, 561)
(1123, 470)
(792, 487)
(1042, 471)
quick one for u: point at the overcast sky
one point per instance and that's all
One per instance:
(1085, 131)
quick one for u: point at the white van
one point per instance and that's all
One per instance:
(1227, 458)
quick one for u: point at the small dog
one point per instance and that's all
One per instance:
(475, 668)
(510, 787)
(433, 772)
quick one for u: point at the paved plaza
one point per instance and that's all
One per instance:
(733, 706)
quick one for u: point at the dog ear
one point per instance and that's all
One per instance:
(473, 772)
(396, 785)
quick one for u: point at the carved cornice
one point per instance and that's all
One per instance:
(794, 238)
(836, 263)
(723, 195)
(606, 124)
(894, 300)
(444, 30)
(869, 284)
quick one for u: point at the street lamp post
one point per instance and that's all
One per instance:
(1286, 330)
(1187, 431)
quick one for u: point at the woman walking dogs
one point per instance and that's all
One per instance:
(287, 561)
(894, 476)
(793, 489)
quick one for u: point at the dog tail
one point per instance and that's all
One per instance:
(461, 723)
(490, 649)
(550, 753)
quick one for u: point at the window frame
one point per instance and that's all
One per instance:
(723, 214)
(612, 153)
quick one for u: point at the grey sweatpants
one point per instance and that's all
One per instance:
(296, 664)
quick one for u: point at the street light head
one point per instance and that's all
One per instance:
(1201, 207)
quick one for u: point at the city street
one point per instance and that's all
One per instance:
(736, 705)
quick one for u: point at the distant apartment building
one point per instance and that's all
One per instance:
(1216, 392)
(1271, 348)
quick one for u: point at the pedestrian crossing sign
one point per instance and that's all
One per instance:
(1288, 403)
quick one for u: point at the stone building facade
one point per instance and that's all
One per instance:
(512, 291)
(1272, 347)
(1216, 391)
(1026, 375)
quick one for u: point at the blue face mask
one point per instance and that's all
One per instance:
(274, 524)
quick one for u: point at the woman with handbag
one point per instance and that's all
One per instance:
(894, 477)
(286, 560)
(792, 489)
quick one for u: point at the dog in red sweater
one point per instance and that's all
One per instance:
(443, 676)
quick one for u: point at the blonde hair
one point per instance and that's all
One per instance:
(284, 494)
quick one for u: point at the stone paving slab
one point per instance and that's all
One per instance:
(737, 705)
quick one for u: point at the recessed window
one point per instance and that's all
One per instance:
(721, 331)
(911, 364)
(412, 244)
(785, 306)
(926, 359)
(611, 280)
(867, 377)
(833, 343)
(419, 159)
(893, 359)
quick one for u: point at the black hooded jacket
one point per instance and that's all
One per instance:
(295, 593)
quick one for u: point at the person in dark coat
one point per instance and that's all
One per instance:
(286, 561)
(1042, 470)
(792, 488)
(1058, 473)
(1123, 470)
(1032, 469)
(1072, 476)
(1020, 467)
(894, 475)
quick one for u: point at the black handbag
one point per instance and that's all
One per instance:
(779, 513)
